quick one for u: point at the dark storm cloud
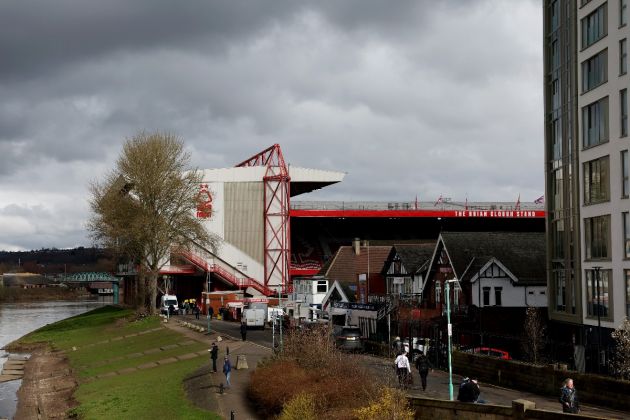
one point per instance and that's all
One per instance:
(41, 37)
(408, 97)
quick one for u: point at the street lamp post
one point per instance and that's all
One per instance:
(596, 270)
(450, 334)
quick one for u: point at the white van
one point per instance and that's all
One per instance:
(254, 317)
(166, 302)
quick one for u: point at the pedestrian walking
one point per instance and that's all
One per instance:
(568, 397)
(402, 369)
(243, 331)
(227, 370)
(423, 365)
(196, 311)
(214, 355)
(397, 346)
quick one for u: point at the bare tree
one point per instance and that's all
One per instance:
(621, 361)
(534, 333)
(146, 206)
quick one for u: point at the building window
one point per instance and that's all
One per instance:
(561, 290)
(597, 237)
(627, 275)
(486, 296)
(595, 123)
(623, 112)
(555, 14)
(497, 296)
(595, 71)
(598, 299)
(322, 286)
(556, 139)
(438, 292)
(594, 26)
(623, 12)
(624, 175)
(623, 56)
(625, 216)
(596, 181)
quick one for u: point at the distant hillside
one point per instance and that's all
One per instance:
(56, 261)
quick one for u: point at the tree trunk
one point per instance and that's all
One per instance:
(152, 292)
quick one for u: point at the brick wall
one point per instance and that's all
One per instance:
(426, 408)
(544, 380)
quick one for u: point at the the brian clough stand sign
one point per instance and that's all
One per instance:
(497, 213)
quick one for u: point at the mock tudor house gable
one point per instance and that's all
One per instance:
(504, 269)
(405, 269)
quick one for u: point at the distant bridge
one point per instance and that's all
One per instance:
(92, 276)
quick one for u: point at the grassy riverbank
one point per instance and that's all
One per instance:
(125, 368)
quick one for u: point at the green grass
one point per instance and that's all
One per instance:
(113, 349)
(91, 327)
(149, 394)
(155, 393)
(136, 361)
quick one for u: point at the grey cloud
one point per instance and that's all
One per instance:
(408, 99)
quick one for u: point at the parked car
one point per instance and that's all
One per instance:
(489, 351)
(348, 338)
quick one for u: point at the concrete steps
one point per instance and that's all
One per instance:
(13, 368)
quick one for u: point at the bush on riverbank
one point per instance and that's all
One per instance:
(312, 375)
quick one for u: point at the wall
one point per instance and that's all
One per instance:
(426, 408)
(512, 295)
(544, 380)
(244, 217)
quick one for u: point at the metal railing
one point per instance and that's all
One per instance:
(412, 205)
(200, 258)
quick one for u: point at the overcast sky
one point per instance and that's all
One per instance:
(408, 97)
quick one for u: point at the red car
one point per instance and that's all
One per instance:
(488, 351)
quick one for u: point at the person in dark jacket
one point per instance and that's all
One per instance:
(214, 355)
(243, 331)
(468, 391)
(568, 397)
(423, 365)
(227, 371)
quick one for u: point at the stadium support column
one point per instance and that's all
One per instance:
(276, 213)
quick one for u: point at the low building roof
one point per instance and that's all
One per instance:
(523, 253)
(346, 265)
(414, 257)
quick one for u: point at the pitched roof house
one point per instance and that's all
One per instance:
(493, 268)
(358, 267)
(405, 269)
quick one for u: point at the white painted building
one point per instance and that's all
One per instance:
(501, 269)
(495, 285)
(307, 297)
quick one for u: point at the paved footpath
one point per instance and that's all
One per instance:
(203, 386)
(437, 387)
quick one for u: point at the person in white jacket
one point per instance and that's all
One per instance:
(403, 369)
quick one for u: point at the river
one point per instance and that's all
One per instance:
(18, 319)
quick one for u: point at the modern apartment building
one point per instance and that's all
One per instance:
(586, 165)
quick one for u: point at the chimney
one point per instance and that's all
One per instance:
(356, 244)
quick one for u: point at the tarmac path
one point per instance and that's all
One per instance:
(258, 345)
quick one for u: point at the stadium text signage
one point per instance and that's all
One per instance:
(495, 213)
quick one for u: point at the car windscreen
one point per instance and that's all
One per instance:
(170, 302)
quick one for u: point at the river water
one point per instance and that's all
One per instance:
(18, 319)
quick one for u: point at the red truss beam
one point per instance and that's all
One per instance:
(277, 184)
